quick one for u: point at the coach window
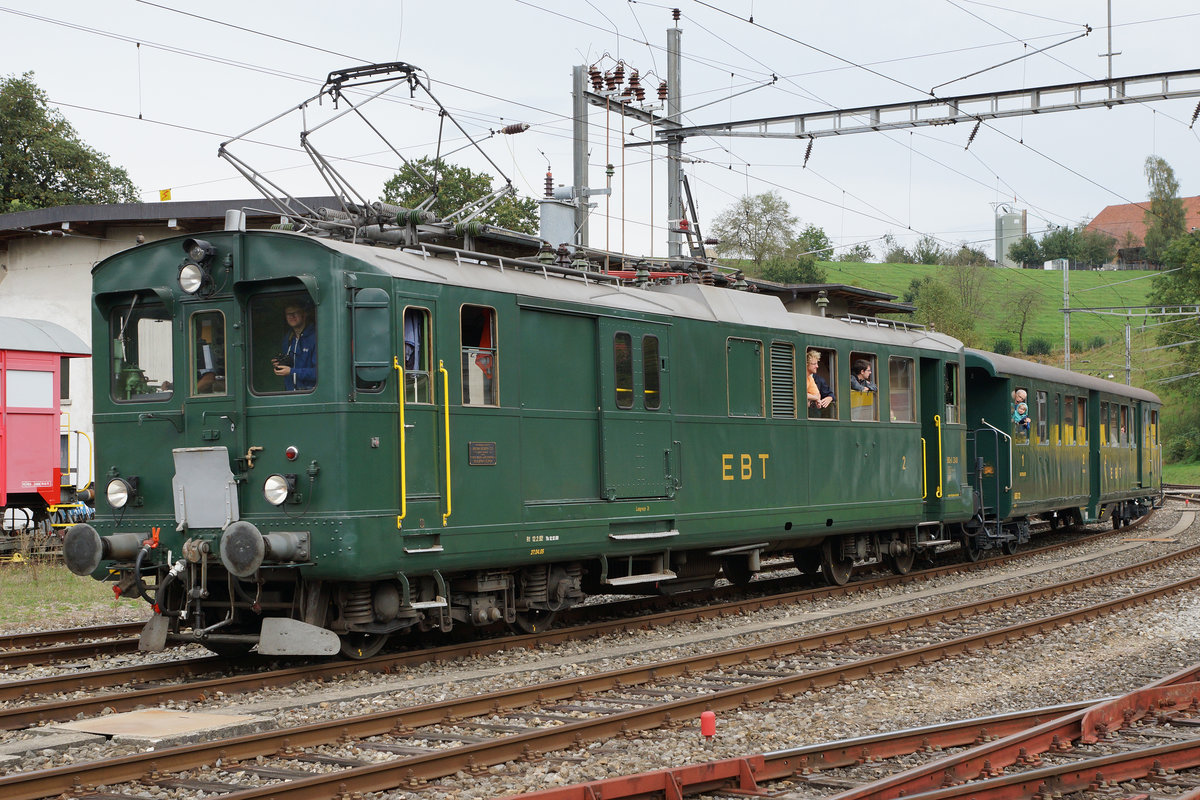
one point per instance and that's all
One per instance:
(207, 345)
(651, 374)
(783, 380)
(1042, 411)
(950, 389)
(623, 369)
(864, 387)
(902, 389)
(140, 333)
(1104, 424)
(1114, 424)
(418, 367)
(1068, 424)
(479, 361)
(824, 377)
(1081, 437)
(1153, 429)
(1056, 437)
(1125, 437)
(282, 359)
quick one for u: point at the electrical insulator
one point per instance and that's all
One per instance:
(675, 14)
(662, 90)
(609, 170)
(974, 131)
(808, 152)
(610, 81)
(1196, 113)
(549, 184)
(516, 127)
(640, 94)
(619, 72)
(597, 79)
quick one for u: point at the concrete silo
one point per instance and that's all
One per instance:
(1010, 227)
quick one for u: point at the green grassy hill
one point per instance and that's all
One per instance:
(1087, 289)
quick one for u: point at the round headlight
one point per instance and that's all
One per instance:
(118, 493)
(191, 278)
(275, 489)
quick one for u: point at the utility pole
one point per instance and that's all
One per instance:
(675, 144)
(1067, 315)
(580, 152)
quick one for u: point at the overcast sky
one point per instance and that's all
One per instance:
(158, 87)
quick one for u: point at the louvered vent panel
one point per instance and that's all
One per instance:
(783, 380)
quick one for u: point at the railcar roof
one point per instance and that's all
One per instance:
(39, 336)
(690, 301)
(1007, 366)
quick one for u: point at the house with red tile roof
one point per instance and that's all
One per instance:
(1127, 224)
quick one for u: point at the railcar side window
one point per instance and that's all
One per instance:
(950, 387)
(821, 364)
(902, 389)
(623, 368)
(1021, 418)
(1042, 412)
(1068, 429)
(479, 362)
(1153, 437)
(1114, 424)
(1125, 437)
(141, 364)
(1056, 421)
(783, 380)
(207, 347)
(418, 366)
(864, 389)
(283, 343)
(651, 375)
(1104, 424)
(744, 370)
(1081, 420)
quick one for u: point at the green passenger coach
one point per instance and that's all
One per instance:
(310, 445)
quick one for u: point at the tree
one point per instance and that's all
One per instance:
(756, 227)
(892, 252)
(813, 241)
(860, 253)
(1021, 307)
(43, 163)
(793, 270)
(928, 251)
(1061, 243)
(967, 256)
(1026, 251)
(938, 308)
(968, 286)
(1181, 288)
(456, 187)
(1095, 247)
(1165, 217)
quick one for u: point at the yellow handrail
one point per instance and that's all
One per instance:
(937, 423)
(924, 475)
(446, 414)
(403, 460)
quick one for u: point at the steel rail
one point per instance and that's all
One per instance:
(198, 690)
(411, 771)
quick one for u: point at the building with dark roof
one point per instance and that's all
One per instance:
(1127, 224)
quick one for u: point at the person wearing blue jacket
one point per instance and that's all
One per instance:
(297, 363)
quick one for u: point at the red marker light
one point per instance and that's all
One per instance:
(291, 453)
(708, 724)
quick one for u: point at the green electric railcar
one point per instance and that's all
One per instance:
(309, 444)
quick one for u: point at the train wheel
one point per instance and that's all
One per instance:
(808, 560)
(737, 570)
(1010, 546)
(902, 565)
(362, 645)
(837, 568)
(971, 550)
(1117, 519)
(534, 620)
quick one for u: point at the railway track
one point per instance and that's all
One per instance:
(470, 734)
(55, 647)
(1089, 748)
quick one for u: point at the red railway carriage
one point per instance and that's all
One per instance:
(31, 353)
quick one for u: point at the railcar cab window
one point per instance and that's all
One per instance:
(207, 347)
(479, 362)
(744, 377)
(902, 389)
(623, 369)
(864, 391)
(141, 357)
(418, 366)
(651, 374)
(820, 387)
(951, 392)
(283, 343)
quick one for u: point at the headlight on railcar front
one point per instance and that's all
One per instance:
(191, 278)
(120, 491)
(278, 488)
